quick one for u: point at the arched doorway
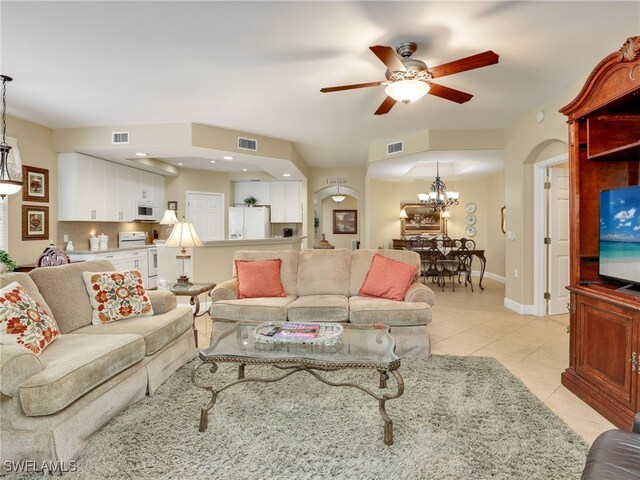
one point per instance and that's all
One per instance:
(326, 209)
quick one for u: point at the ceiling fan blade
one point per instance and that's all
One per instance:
(388, 57)
(449, 93)
(468, 63)
(385, 106)
(349, 87)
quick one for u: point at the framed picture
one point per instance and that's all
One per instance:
(420, 219)
(345, 222)
(35, 222)
(36, 184)
(173, 205)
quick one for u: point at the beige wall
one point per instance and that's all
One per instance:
(326, 222)
(36, 149)
(486, 192)
(317, 184)
(528, 142)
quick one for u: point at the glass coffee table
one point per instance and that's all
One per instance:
(360, 347)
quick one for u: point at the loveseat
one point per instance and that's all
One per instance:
(324, 286)
(52, 403)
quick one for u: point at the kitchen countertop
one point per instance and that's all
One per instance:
(108, 250)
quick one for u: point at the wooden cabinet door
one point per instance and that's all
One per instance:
(278, 202)
(606, 333)
(293, 206)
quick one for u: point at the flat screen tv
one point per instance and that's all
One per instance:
(620, 234)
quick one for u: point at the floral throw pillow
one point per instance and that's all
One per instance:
(115, 296)
(23, 322)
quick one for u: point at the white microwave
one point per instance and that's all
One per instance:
(145, 210)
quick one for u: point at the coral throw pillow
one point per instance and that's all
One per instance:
(116, 295)
(259, 278)
(23, 321)
(388, 278)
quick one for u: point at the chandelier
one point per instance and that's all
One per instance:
(438, 198)
(338, 198)
(7, 185)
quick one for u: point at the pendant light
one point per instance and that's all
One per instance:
(338, 198)
(438, 199)
(8, 186)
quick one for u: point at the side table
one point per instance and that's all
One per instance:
(192, 291)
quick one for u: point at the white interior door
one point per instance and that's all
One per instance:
(559, 246)
(206, 211)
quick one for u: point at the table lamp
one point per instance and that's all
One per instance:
(183, 235)
(169, 218)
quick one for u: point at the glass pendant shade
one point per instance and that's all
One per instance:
(407, 90)
(338, 198)
(10, 164)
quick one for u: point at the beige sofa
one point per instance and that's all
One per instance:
(323, 286)
(52, 403)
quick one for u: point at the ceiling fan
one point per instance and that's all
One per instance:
(409, 79)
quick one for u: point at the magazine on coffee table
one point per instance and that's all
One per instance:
(293, 332)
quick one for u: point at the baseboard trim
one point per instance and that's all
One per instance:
(492, 276)
(519, 308)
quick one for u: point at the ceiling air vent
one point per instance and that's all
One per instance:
(119, 138)
(395, 147)
(248, 144)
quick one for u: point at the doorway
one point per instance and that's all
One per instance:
(551, 236)
(206, 211)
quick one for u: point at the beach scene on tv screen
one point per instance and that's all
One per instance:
(620, 233)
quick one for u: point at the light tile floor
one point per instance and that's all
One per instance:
(535, 349)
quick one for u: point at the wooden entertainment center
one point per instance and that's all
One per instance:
(604, 153)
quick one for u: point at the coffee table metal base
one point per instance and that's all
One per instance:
(295, 368)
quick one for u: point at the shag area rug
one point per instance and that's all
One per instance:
(459, 418)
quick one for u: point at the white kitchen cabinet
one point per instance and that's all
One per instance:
(81, 183)
(286, 206)
(260, 190)
(124, 260)
(94, 189)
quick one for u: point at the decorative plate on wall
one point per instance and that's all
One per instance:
(470, 207)
(470, 231)
(470, 219)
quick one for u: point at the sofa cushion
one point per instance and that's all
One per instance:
(324, 272)
(388, 278)
(116, 295)
(319, 308)
(74, 365)
(157, 330)
(272, 309)
(64, 291)
(361, 263)
(259, 278)
(288, 269)
(23, 322)
(388, 312)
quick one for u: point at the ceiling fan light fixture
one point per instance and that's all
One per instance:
(407, 90)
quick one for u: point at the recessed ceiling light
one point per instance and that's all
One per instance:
(212, 161)
(180, 163)
(141, 154)
(228, 157)
(244, 169)
(286, 174)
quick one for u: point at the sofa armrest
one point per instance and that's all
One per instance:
(17, 364)
(227, 290)
(419, 292)
(636, 423)
(162, 301)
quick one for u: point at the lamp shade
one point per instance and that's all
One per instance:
(183, 235)
(407, 90)
(403, 213)
(169, 218)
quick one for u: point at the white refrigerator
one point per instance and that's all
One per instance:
(249, 223)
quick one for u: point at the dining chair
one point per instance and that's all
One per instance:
(465, 250)
(52, 257)
(448, 262)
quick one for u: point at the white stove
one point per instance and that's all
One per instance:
(139, 239)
